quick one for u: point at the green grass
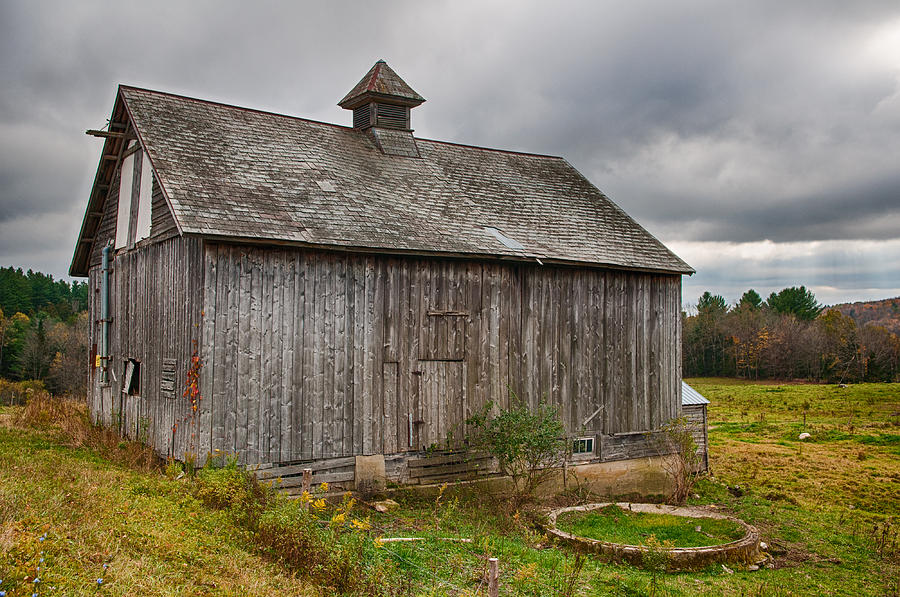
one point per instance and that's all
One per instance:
(822, 505)
(153, 535)
(825, 506)
(616, 525)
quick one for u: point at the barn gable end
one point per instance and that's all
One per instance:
(152, 219)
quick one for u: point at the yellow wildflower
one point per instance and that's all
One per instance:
(363, 525)
(378, 542)
(324, 486)
(527, 572)
(305, 497)
(319, 504)
(339, 518)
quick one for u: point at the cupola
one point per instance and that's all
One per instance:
(381, 99)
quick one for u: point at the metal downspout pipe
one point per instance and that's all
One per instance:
(104, 314)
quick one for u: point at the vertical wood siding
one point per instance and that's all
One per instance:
(156, 293)
(696, 420)
(312, 355)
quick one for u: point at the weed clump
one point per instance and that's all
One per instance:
(328, 545)
(224, 485)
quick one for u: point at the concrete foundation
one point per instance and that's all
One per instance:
(369, 474)
(640, 476)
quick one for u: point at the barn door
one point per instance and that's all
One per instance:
(441, 368)
(442, 399)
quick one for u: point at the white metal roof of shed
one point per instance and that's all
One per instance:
(691, 396)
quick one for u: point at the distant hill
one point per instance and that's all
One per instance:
(885, 313)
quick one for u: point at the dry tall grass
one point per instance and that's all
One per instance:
(69, 417)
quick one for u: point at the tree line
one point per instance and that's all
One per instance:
(787, 336)
(33, 292)
(44, 335)
(43, 330)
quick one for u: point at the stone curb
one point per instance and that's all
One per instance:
(744, 551)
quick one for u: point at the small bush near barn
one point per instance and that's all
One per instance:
(526, 442)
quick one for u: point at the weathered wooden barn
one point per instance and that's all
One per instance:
(352, 291)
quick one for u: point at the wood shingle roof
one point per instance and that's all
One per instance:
(236, 173)
(381, 80)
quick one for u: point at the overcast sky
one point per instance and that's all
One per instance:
(759, 140)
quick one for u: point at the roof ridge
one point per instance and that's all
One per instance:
(374, 77)
(340, 126)
(233, 106)
(496, 149)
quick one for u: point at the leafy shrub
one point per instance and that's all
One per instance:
(526, 443)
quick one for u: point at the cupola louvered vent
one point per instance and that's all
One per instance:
(362, 116)
(390, 116)
(381, 99)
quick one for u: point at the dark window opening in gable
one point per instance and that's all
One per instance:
(390, 116)
(131, 382)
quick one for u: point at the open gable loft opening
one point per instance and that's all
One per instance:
(133, 215)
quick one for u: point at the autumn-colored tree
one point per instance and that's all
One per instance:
(69, 368)
(706, 334)
(750, 337)
(763, 341)
(839, 348)
(880, 351)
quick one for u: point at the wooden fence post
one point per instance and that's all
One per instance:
(307, 483)
(494, 577)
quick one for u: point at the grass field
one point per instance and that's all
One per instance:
(828, 507)
(618, 525)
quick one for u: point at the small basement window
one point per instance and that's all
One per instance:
(131, 382)
(583, 445)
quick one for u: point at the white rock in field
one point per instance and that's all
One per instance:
(753, 568)
(385, 505)
(764, 546)
(727, 569)
(805, 435)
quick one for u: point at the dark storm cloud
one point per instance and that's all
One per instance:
(706, 121)
(868, 208)
(778, 110)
